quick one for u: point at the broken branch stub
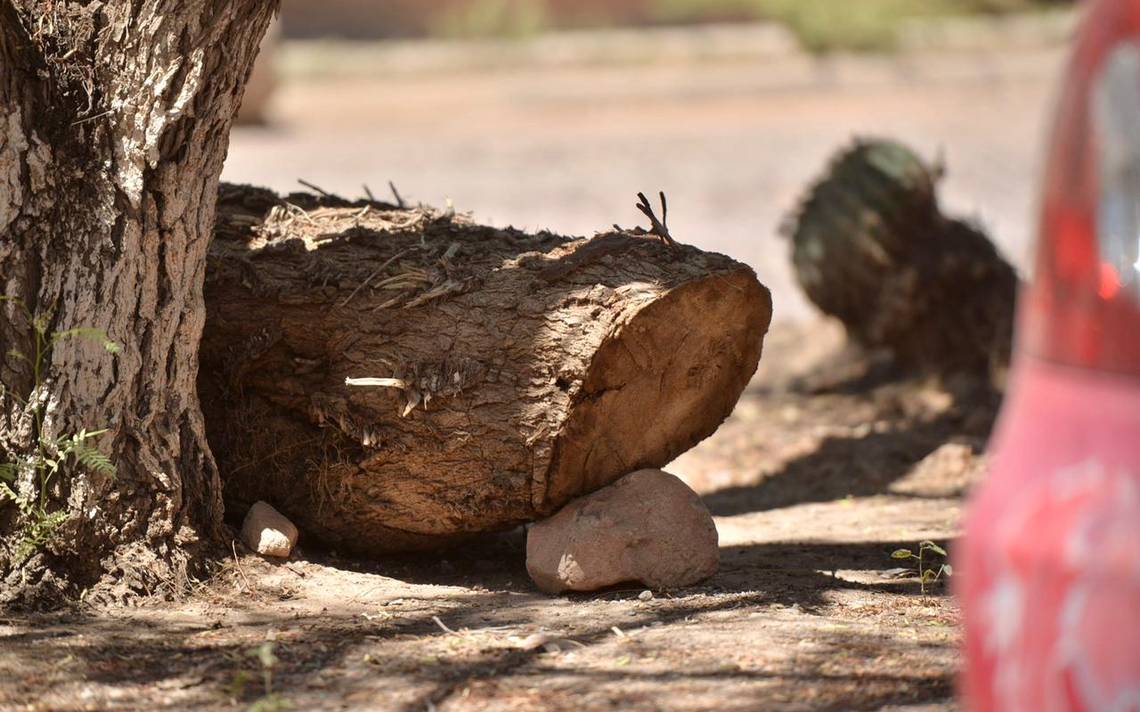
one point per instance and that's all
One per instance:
(395, 379)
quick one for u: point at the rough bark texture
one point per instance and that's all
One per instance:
(871, 248)
(114, 119)
(519, 370)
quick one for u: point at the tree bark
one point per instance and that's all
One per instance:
(515, 371)
(114, 119)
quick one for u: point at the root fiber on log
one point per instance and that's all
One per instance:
(492, 375)
(870, 247)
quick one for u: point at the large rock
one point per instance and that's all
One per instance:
(647, 527)
(268, 532)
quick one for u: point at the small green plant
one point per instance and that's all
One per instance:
(927, 550)
(270, 701)
(42, 465)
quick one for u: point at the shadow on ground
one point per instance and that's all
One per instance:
(462, 649)
(825, 479)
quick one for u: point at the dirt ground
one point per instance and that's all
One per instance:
(826, 467)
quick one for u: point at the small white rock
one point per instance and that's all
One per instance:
(268, 532)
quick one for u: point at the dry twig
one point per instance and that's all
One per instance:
(656, 227)
(443, 627)
(237, 563)
(317, 188)
(396, 194)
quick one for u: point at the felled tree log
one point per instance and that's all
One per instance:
(497, 374)
(871, 247)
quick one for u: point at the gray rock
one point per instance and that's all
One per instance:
(647, 527)
(268, 532)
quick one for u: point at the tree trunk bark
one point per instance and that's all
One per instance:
(114, 120)
(512, 371)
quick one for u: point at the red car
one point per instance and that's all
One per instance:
(1048, 572)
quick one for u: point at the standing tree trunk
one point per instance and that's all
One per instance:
(114, 120)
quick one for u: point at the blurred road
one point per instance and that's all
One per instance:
(732, 143)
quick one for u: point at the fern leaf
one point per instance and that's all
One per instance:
(39, 533)
(17, 354)
(91, 334)
(17, 302)
(91, 459)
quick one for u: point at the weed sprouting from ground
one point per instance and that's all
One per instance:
(927, 550)
(269, 701)
(26, 478)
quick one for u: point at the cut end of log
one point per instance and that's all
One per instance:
(660, 383)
